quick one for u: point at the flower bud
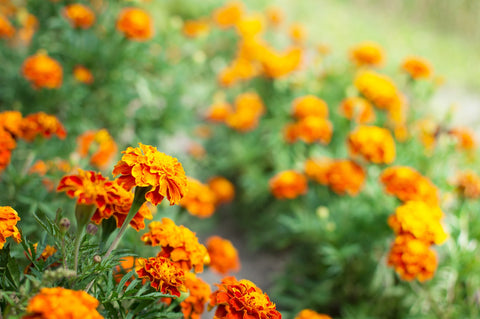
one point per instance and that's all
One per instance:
(64, 224)
(97, 259)
(92, 229)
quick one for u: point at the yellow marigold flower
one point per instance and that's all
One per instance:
(412, 258)
(6, 29)
(378, 88)
(79, 15)
(83, 75)
(42, 71)
(223, 255)
(367, 53)
(195, 28)
(373, 143)
(288, 184)
(222, 188)
(219, 112)
(275, 16)
(345, 177)
(417, 67)
(465, 138)
(228, 15)
(178, 243)
(357, 109)
(310, 314)
(298, 33)
(105, 146)
(279, 64)
(407, 184)
(8, 225)
(419, 219)
(250, 26)
(200, 199)
(163, 275)
(241, 299)
(41, 124)
(62, 303)
(468, 184)
(309, 105)
(144, 166)
(11, 121)
(313, 129)
(136, 24)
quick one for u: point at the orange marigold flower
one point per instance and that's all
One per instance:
(79, 15)
(40, 168)
(279, 64)
(248, 110)
(46, 253)
(373, 143)
(178, 243)
(242, 299)
(219, 112)
(357, 109)
(199, 294)
(288, 184)
(298, 33)
(83, 75)
(312, 129)
(275, 16)
(163, 275)
(228, 15)
(136, 24)
(310, 314)
(290, 133)
(309, 105)
(379, 89)
(367, 53)
(222, 188)
(420, 220)
(41, 124)
(62, 303)
(412, 258)
(144, 166)
(468, 184)
(317, 169)
(417, 67)
(126, 265)
(42, 71)
(223, 255)
(250, 26)
(465, 138)
(200, 199)
(88, 187)
(346, 177)
(407, 184)
(195, 28)
(106, 148)
(11, 121)
(6, 29)
(7, 144)
(8, 225)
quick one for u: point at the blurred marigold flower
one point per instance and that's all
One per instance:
(145, 166)
(317, 169)
(136, 24)
(7, 144)
(241, 299)
(250, 26)
(288, 184)
(79, 15)
(223, 255)
(275, 16)
(83, 75)
(219, 112)
(11, 121)
(412, 258)
(417, 67)
(62, 303)
(41, 124)
(222, 188)
(298, 33)
(8, 225)
(163, 275)
(39, 167)
(309, 105)
(42, 71)
(310, 314)
(313, 129)
(178, 243)
(248, 109)
(465, 138)
(357, 109)
(279, 64)
(346, 177)
(29, 26)
(372, 143)
(196, 150)
(199, 200)
(427, 131)
(6, 28)
(195, 28)
(468, 184)
(106, 148)
(199, 294)
(367, 53)
(127, 264)
(290, 134)
(228, 15)
(379, 89)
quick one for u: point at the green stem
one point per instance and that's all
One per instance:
(78, 241)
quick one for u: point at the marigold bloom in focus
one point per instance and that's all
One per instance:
(106, 148)
(79, 15)
(373, 143)
(357, 109)
(62, 303)
(465, 138)
(313, 129)
(407, 184)
(242, 299)
(199, 200)
(298, 33)
(42, 71)
(222, 188)
(195, 28)
(219, 112)
(178, 243)
(6, 29)
(367, 53)
(223, 255)
(87, 186)
(468, 184)
(379, 89)
(136, 24)
(163, 275)
(144, 166)
(41, 124)
(228, 15)
(310, 314)
(412, 258)
(8, 225)
(417, 67)
(288, 185)
(83, 75)
(309, 105)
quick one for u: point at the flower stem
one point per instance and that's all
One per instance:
(78, 241)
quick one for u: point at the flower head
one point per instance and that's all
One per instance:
(465, 138)
(222, 188)
(163, 275)
(199, 294)
(288, 184)
(42, 124)
(6, 28)
(200, 199)
(223, 255)
(275, 15)
(79, 15)
(346, 177)
(297, 33)
(87, 186)
(279, 64)
(378, 89)
(7, 144)
(228, 15)
(8, 225)
(417, 67)
(309, 105)
(83, 75)
(219, 112)
(373, 143)
(310, 314)
(136, 24)
(42, 71)
(248, 110)
(11, 122)
(105, 147)
(195, 28)
(313, 129)
(367, 53)
(468, 184)
(357, 109)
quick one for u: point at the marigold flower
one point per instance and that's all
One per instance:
(412, 258)
(407, 184)
(41, 124)
(309, 105)
(240, 69)
(178, 243)
(346, 177)
(313, 129)
(248, 110)
(310, 314)
(379, 89)
(279, 64)
(357, 109)
(144, 166)
(79, 15)
(42, 71)
(83, 75)
(138, 220)
(298, 33)
(200, 199)
(62, 303)
(87, 186)
(126, 265)
(417, 67)
(223, 255)
(163, 275)
(106, 148)
(288, 185)
(195, 28)
(373, 143)
(7, 144)
(367, 53)
(39, 167)
(48, 252)
(290, 133)
(8, 225)
(465, 138)
(222, 188)
(250, 26)
(242, 299)
(275, 16)
(6, 29)
(317, 169)
(11, 121)
(228, 15)
(468, 184)
(219, 112)
(136, 24)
